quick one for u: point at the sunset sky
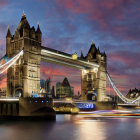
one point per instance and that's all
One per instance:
(71, 25)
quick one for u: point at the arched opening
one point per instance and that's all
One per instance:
(19, 93)
(61, 86)
(91, 97)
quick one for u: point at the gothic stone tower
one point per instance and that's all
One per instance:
(23, 79)
(93, 81)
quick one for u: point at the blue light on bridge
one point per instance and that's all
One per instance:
(42, 101)
(85, 105)
(35, 95)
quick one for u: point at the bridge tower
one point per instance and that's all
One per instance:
(93, 81)
(23, 79)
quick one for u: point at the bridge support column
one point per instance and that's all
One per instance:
(93, 81)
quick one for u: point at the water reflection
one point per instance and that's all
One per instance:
(74, 127)
(91, 129)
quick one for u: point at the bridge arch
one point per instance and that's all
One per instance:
(19, 92)
(91, 97)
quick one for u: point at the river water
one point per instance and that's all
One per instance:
(73, 127)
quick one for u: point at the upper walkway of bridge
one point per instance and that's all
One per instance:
(58, 57)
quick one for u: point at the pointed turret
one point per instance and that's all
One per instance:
(98, 50)
(38, 33)
(8, 41)
(8, 33)
(104, 54)
(93, 48)
(23, 28)
(23, 16)
(93, 42)
(38, 29)
(92, 51)
(23, 23)
(82, 56)
(33, 28)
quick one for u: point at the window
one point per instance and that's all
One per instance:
(21, 32)
(89, 86)
(90, 77)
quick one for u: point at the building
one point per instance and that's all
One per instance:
(47, 86)
(53, 92)
(133, 93)
(42, 83)
(64, 89)
(24, 75)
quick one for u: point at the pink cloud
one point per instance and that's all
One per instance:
(50, 71)
(3, 3)
(124, 69)
(2, 42)
(100, 11)
(126, 57)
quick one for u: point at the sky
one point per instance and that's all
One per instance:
(71, 26)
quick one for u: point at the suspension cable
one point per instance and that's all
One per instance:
(12, 61)
(126, 100)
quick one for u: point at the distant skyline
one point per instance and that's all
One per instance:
(71, 25)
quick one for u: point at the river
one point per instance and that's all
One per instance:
(73, 127)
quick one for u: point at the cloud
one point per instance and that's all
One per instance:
(3, 3)
(71, 25)
(100, 11)
(112, 17)
(124, 68)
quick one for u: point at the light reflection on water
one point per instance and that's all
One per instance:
(69, 127)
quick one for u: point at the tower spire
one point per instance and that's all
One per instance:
(104, 54)
(82, 56)
(8, 33)
(93, 42)
(98, 50)
(38, 28)
(23, 15)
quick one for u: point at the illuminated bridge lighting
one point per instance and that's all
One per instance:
(62, 101)
(85, 105)
(65, 63)
(11, 62)
(122, 97)
(45, 52)
(8, 99)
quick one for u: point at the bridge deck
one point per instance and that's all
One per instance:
(58, 57)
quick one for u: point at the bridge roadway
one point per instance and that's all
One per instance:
(58, 57)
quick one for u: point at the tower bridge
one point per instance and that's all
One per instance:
(25, 52)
